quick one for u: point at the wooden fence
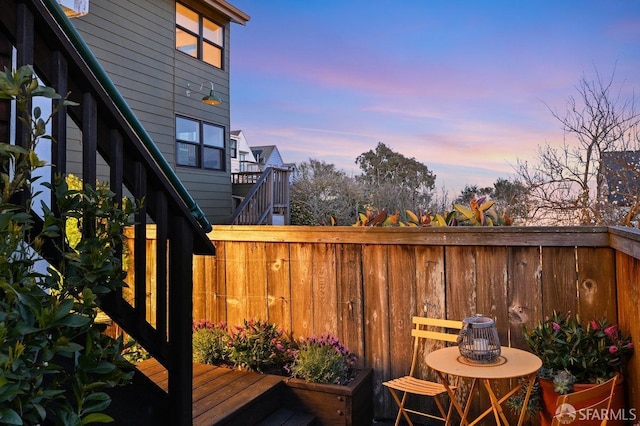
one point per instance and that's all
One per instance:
(364, 284)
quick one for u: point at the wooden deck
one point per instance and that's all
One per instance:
(224, 396)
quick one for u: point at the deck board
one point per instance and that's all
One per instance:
(218, 392)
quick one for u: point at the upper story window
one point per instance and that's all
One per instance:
(198, 36)
(199, 144)
(234, 148)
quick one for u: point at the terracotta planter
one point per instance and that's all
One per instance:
(348, 405)
(549, 398)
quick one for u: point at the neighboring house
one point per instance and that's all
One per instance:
(154, 52)
(267, 156)
(260, 183)
(242, 157)
(621, 172)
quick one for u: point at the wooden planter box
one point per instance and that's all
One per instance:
(348, 405)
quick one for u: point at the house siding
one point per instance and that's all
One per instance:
(134, 41)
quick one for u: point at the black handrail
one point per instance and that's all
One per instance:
(41, 39)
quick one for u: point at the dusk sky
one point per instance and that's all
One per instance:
(461, 86)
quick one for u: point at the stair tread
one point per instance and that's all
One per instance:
(286, 417)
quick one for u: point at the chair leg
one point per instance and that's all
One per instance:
(401, 411)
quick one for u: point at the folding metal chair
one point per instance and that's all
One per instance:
(581, 405)
(425, 329)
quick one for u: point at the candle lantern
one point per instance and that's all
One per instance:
(478, 339)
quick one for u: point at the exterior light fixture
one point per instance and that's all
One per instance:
(211, 98)
(74, 8)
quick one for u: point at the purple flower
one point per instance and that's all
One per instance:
(556, 326)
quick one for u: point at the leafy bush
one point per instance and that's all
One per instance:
(134, 352)
(479, 213)
(55, 361)
(571, 352)
(210, 343)
(259, 346)
(262, 347)
(323, 360)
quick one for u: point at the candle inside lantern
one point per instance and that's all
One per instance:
(481, 345)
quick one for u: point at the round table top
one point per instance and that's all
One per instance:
(511, 363)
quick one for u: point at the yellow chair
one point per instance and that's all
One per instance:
(425, 329)
(572, 406)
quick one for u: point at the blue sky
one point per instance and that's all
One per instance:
(462, 86)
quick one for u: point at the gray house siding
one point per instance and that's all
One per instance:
(134, 42)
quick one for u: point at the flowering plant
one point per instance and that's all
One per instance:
(263, 347)
(258, 346)
(571, 352)
(210, 342)
(323, 360)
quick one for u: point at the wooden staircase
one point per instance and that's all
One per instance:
(264, 197)
(37, 33)
(221, 396)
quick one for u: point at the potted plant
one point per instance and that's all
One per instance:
(575, 357)
(322, 378)
(325, 383)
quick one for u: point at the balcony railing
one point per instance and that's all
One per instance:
(262, 196)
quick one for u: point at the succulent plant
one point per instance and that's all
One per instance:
(563, 382)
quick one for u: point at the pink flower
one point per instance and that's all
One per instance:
(613, 349)
(556, 326)
(611, 331)
(594, 324)
(630, 345)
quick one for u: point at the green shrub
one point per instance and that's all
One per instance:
(134, 352)
(323, 360)
(211, 344)
(259, 346)
(55, 361)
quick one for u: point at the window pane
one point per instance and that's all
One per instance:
(186, 42)
(212, 32)
(212, 54)
(187, 18)
(234, 148)
(186, 154)
(187, 130)
(212, 158)
(213, 136)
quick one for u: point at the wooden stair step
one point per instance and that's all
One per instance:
(246, 400)
(285, 417)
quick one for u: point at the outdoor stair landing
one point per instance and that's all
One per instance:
(221, 396)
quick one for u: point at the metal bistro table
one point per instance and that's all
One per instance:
(512, 363)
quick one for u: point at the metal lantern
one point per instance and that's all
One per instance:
(478, 339)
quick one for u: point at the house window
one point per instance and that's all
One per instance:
(198, 36)
(234, 148)
(199, 144)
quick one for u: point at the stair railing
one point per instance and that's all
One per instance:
(43, 38)
(269, 195)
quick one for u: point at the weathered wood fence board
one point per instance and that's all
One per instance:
(365, 284)
(628, 303)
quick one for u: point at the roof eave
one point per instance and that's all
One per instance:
(233, 13)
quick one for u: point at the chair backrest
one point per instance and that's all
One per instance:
(587, 403)
(432, 329)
